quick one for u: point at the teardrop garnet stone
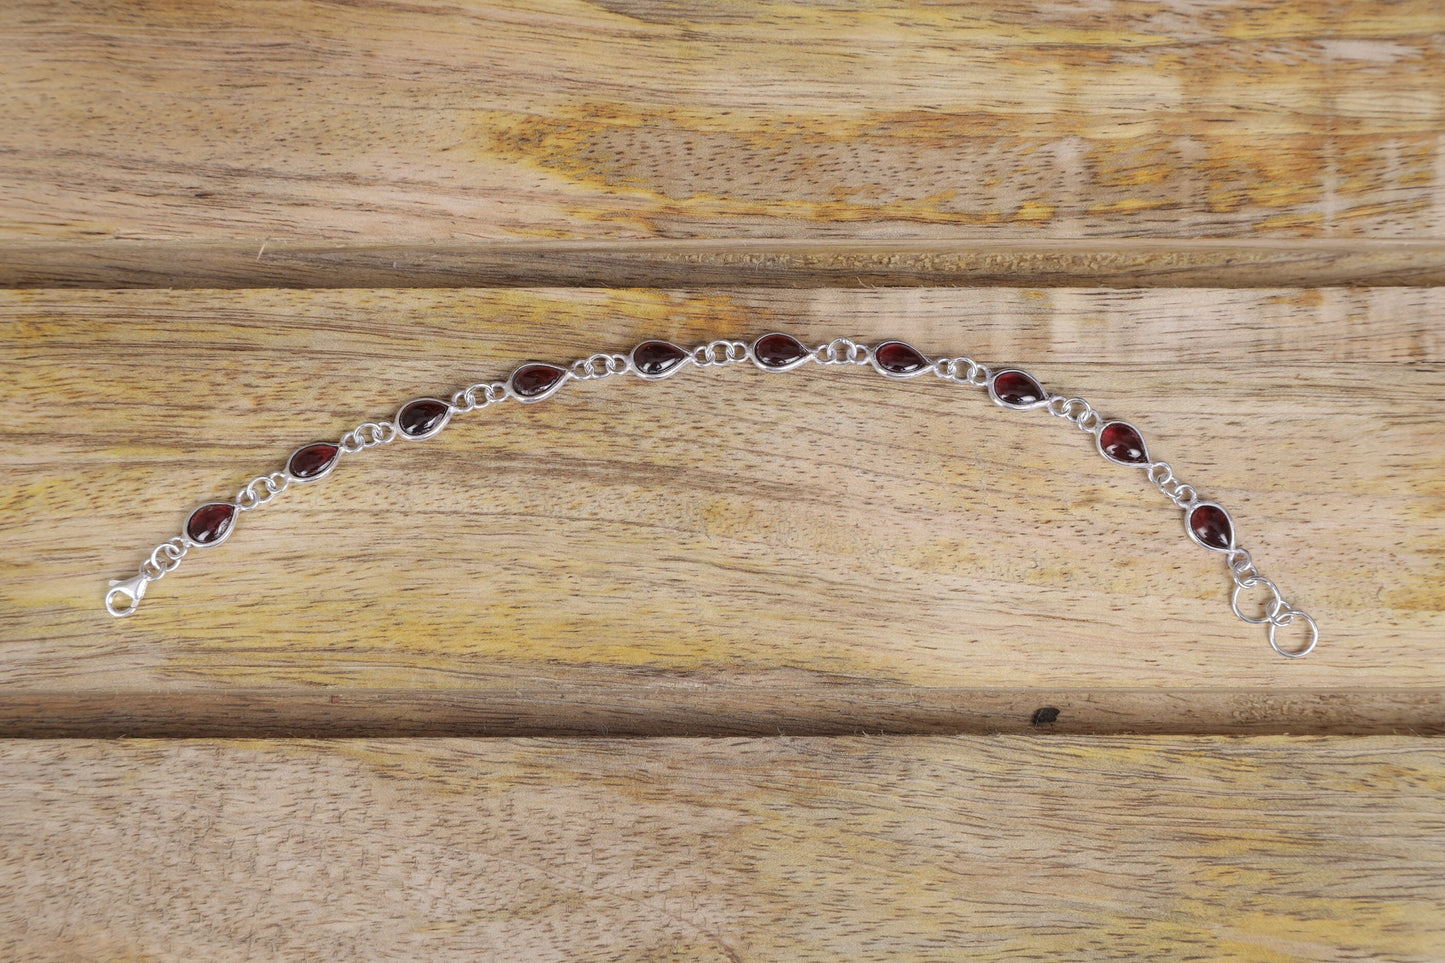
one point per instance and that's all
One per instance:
(1016, 389)
(423, 418)
(1121, 442)
(897, 358)
(778, 351)
(210, 523)
(313, 461)
(533, 382)
(1211, 527)
(657, 359)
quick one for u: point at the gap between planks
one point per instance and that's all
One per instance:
(799, 263)
(711, 710)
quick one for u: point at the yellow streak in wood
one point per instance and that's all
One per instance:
(1416, 593)
(1302, 224)
(1129, 205)
(1034, 211)
(593, 148)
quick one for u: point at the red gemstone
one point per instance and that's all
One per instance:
(895, 357)
(1122, 443)
(422, 417)
(778, 350)
(210, 523)
(656, 358)
(535, 380)
(1016, 389)
(1211, 525)
(312, 461)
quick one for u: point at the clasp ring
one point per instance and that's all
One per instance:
(1272, 608)
(1287, 618)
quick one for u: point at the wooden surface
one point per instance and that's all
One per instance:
(795, 849)
(815, 530)
(455, 121)
(227, 229)
(789, 263)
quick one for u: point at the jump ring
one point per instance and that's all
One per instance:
(1270, 612)
(1289, 620)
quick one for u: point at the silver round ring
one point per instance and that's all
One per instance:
(1288, 619)
(1270, 609)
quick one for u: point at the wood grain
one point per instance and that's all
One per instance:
(1096, 262)
(711, 709)
(383, 122)
(828, 531)
(914, 849)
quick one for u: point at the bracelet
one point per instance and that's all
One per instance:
(1206, 522)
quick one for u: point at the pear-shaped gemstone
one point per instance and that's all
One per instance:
(654, 359)
(210, 523)
(423, 417)
(1211, 526)
(898, 358)
(536, 380)
(313, 461)
(1017, 389)
(778, 351)
(1121, 442)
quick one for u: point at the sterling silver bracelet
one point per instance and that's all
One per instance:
(1206, 522)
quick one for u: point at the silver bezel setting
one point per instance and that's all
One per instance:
(633, 366)
(992, 393)
(1189, 513)
(898, 375)
(1099, 443)
(401, 432)
(230, 527)
(530, 399)
(325, 471)
(753, 354)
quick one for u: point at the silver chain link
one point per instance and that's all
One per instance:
(843, 351)
(964, 371)
(166, 558)
(466, 400)
(1076, 410)
(1182, 495)
(717, 353)
(600, 366)
(1278, 612)
(270, 486)
(369, 434)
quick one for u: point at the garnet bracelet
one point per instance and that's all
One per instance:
(1206, 522)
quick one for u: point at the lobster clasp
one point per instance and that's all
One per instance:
(130, 591)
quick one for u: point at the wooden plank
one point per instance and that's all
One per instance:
(712, 709)
(1096, 262)
(826, 531)
(1268, 849)
(383, 122)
